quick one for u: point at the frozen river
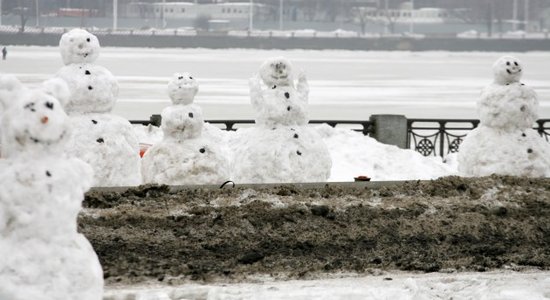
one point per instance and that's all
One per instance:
(344, 84)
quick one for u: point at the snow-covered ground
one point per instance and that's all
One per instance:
(501, 285)
(344, 84)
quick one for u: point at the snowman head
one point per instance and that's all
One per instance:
(182, 122)
(182, 88)
(78, 46)
(507, 69)
(93, 88)
(34, 120)
(276, 71)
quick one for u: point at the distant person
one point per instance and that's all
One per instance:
(4, 53)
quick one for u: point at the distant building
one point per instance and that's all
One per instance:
(190, 10)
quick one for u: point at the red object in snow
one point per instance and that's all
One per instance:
(143, 148)
(362, 178)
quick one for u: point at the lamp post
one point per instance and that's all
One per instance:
(526, 16)
(515, 15)
(37, 13)
(411, 25)
(251, 16)
(115, 15)
(281, 14)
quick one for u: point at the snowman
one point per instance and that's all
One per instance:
(184, 156)
(504, 143)
(43, 255)
(105, 141)
(281, 148)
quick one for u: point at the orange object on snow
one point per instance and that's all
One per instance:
(143, 148)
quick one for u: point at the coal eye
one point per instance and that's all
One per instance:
(507, 63)
(88, 40)
(190, 77)
(202, 150)
(30, 106)
(49, 105)
(190, 115)
(516, 63)
(180, 78)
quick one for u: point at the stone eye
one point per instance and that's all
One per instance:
(90, 88)
(191, 77)
(30, 106)
(190, 115)
(88, 40)
(180, 78)
(516, 63)
(202, 150)
(48, 173)
(49, 105)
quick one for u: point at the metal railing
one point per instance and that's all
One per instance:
(429, 137)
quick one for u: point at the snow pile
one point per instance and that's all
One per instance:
(504, 143)
(43, 255)
(354, 154)
(184, 156)
(281, 148)
(105, 141)
(489, 286)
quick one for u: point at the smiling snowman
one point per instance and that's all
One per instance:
(43, 255)
(184, 156)
(281, 148)
(105, 141)
(505, 143)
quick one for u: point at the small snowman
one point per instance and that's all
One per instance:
(105, 141)
(184, 156)
(505, 143)
(43, 255)
(281, 148)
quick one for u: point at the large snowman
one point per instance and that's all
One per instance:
(43, 255)
(281, 148)
(184, 156)
(105, 141)
(505, 143)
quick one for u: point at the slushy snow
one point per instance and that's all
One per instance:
(105, 141)
(184, 156)
(504, 142)
(281, 148)
(43, 255)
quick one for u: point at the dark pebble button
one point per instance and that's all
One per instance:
(100, 140)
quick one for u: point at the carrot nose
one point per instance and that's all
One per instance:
(44, 120)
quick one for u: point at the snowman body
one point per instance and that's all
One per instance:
(184, 156)
(105, 141)
(281, 148)
(505, 143)
(43, 255)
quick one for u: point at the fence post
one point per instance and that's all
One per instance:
(390, 129)
(155, 120)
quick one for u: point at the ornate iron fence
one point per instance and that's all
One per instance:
(429, 137)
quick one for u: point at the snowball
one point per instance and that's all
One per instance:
(508, 106)
(182, 88)
(9, 87)
(487, 151)
(181, 162)
(276, 71)
(280, 155)
(78, 46)
(93, 88)
(108, 143)
(507, 69)
(182, 121)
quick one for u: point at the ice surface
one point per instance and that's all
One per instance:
(78, 46)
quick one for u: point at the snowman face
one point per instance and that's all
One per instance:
(37, 120)
(79, 46)
(507, 69)
(93, 88)
(276, 71)
(182, 122)
(182, 88)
